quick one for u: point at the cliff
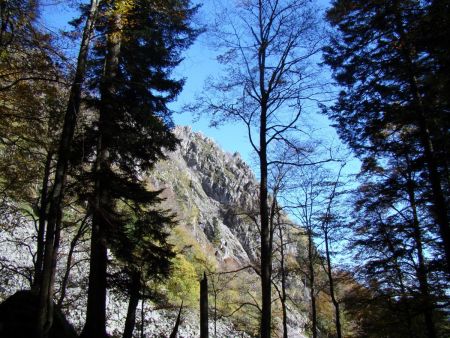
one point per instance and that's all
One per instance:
(213, 193)
(215, 197)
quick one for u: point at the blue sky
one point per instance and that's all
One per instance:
(199, 63)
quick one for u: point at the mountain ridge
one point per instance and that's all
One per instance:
(199, 171)
(215, 196)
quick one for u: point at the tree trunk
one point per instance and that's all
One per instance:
(65, 279)
(440, 206)
(45, 312)
(95, 325)
(283, 285)
(177, 323)
(132, 306)
(427, 306)
(312, 282)
(403, 290)
(142, 317)
(215, 314)
(266, 251)
(313, 313)
(204, 307)
(326, 232)
(41, 227)
(337, 315)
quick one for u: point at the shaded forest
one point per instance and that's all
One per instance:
(108, 212)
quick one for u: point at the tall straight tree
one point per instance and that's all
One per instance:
(139, 44)
(329, 229)
(393, 84)
(45, 315)
(392, 202)
(268, 50)
(308, 200)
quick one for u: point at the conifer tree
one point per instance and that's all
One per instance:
(392, 86)
(140, 44)
(394, 235)
(143, 253)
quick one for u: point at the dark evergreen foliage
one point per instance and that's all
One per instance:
(139, 44)
(392, 112)
(137, 129)
(392, 92)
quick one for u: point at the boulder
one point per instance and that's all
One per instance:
(18, 318)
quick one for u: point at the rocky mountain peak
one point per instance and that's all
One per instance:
(213, 192)
(225, 177)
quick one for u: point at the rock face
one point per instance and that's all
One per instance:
(215, 195)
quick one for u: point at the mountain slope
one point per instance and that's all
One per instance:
(215, 197)
(212, 192)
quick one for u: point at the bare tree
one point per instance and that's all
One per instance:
(269, 49)
(327, 227)
(311, 200)
(304, 208)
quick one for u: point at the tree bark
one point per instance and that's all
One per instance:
(65, 279)
(45, 312)
(312, 292)
(95, 325)
(266, 254)
(266, 251)
(326, 232)
(312, 285)
(283, 284)
(337, 314)
(142, 317)
(177, 323)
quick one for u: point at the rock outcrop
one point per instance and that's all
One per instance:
(215, 195)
